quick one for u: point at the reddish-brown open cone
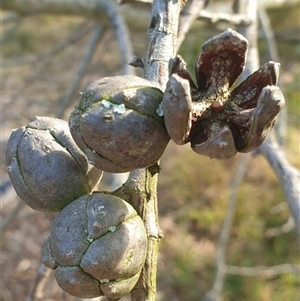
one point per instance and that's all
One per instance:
(215, 119)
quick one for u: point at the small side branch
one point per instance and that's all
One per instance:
(122, 35)
(289, 177)
(268, 33)
(233, 19)
(76, 35)
(263, 271)
(99, 10)
(81, 70)
(135, 1)
(11, 215)
(270, 41)
(215, 293)
(249, 31)
(37, 293)
(285, 228)
(188, 17)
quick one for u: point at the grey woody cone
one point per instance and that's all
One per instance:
(46, 167)
(119, 125)
(97, 246)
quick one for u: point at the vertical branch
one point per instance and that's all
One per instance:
(141, 187)
(11, 215)
(162, 40)
(140, 192)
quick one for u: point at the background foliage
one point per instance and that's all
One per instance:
(193, 190)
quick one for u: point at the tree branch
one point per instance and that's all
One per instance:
(215, 293)
(263, 271)
(268, 33)
(140, 190)
(285, 228)
(11, 215)
(37, 293)
(64, 103)
(249, 31)
(122, 34)
(102, 11)
(270, 41)
(162, 41)
(92, 9)
(289, 177)
(76, 35)
(234, 19)
(188, 17)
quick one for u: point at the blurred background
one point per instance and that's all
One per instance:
(48, 58)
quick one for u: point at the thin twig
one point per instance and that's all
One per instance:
(264, 271)
(122, 34)
(92, 9)
(11, 215)
(9, 17)
(215, 293)
(249, 31)
(95, 9)
(233, 19)
(283, 206)
(37, 293)
(76, 35)
(271, 45)
(135, 1)
(285, 228)
(268, 33)
(188, 17)
(64, 103)
(288, 176)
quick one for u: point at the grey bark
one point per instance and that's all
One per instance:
(288, 176)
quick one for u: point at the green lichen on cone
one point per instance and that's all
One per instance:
(117, 124)
(46, 167)
(97, 246)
